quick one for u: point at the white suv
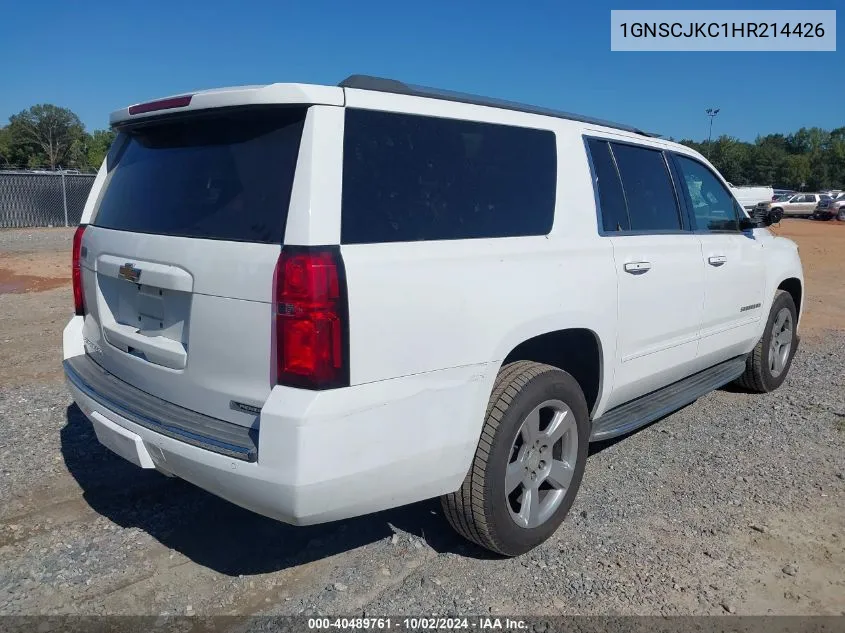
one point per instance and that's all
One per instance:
(318, 302)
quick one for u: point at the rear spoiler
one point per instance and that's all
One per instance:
(230, 97)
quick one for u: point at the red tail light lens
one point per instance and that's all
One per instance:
(311, 318)
(162, 104)
(76, 271)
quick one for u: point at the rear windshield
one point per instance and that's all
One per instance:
(223, 176)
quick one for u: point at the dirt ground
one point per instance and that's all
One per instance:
(757, 531)
(822, 249)
(35, 303)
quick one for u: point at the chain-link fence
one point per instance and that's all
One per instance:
(42, 199)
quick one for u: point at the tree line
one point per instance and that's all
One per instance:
(49, 136)
(811, 159)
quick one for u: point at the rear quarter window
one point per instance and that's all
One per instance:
(649, 192)
(614, 209)
(217, 176)
(409, 178)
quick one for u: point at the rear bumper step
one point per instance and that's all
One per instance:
(158, 415)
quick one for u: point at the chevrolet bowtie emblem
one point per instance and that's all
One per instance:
(129, 273)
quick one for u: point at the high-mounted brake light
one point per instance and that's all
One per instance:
(161, 104)
(310, 310)
(76, 271)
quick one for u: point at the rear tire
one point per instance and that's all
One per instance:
(768, 364)
(515, 467)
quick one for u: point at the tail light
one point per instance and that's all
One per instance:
(311, 322)
(76, 271)
(181, 101)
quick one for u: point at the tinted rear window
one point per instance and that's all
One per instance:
(409, 178)
(224, 176)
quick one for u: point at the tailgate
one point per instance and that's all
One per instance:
(177, 265)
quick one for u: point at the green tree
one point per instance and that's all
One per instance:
(5, 149)
(729, 156)
(46, 133)
(12, 154)
(836, 158)
(99, 142)
(798, 173)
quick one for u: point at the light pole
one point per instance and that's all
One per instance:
(711, 112)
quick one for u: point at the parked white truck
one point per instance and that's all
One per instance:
(749, 196)
(318, 302)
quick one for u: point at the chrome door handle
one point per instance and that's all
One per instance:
(637, 268)
(717, 260)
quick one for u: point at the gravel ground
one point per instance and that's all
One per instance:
(36, 240)
(734, 504)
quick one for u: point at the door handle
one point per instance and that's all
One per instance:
(717, 260)
(637, 268)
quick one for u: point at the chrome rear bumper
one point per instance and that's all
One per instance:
(158, 415)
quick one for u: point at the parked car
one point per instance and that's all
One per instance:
(799, 205)
(318, 302)
(830, 208)
(781, 193)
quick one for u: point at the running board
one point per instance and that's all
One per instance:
(636, 413)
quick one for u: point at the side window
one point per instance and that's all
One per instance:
(410, 178)
(712, 204)
(652, 205)
(614, 212)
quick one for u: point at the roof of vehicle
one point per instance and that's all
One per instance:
(381, 84)
(333, 95)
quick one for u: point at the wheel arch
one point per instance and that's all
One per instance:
(795, 288)
(575, 350)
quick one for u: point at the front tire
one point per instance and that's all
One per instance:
(529, 461)
(768, 364)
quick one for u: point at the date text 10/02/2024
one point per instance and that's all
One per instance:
(417, 624)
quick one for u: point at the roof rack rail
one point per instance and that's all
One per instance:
(381, 84)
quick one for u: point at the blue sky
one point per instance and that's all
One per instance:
(94, 57)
